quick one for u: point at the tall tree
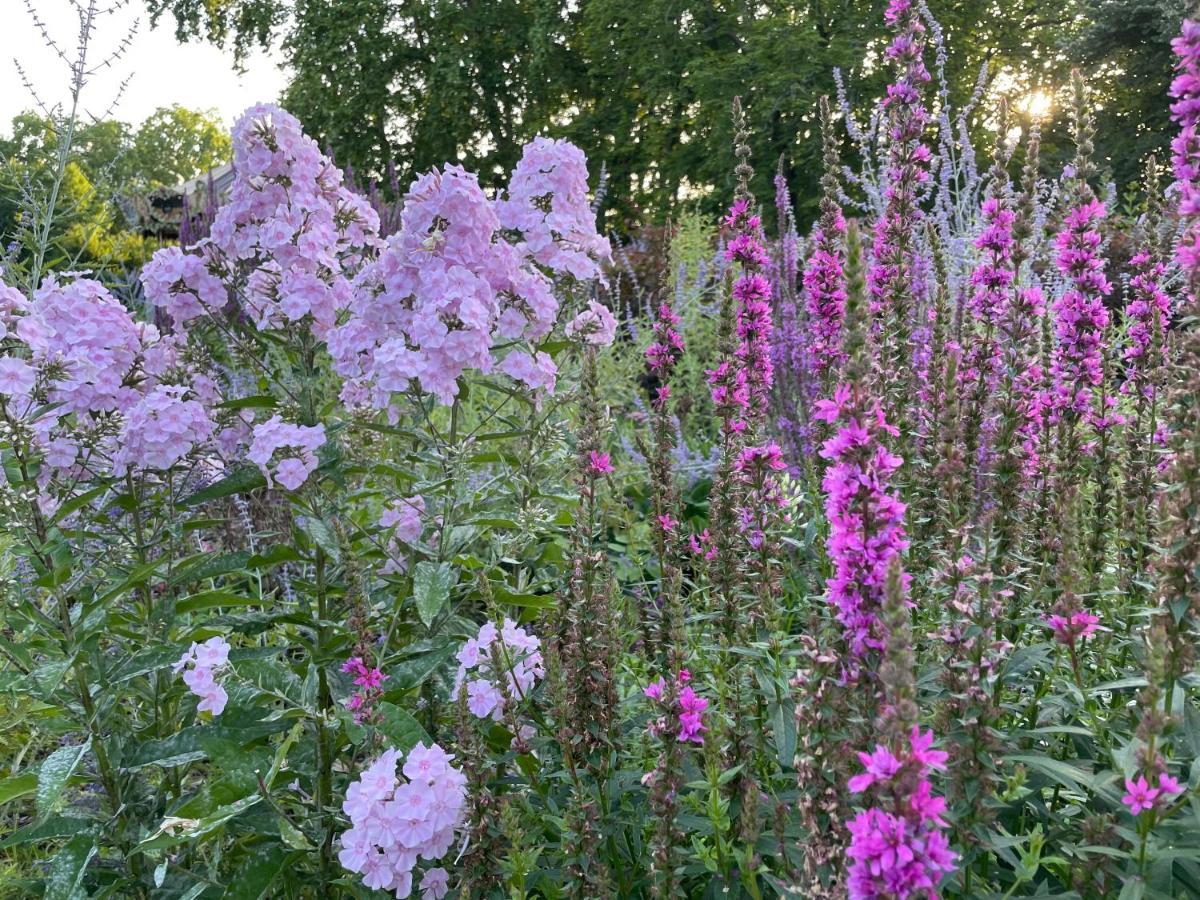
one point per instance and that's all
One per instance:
(644, 85)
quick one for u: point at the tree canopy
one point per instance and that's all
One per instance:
(110, 159)
(644, 86)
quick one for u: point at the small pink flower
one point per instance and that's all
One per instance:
(880, 765)
(599, 463)
(1169, 786)
(1075, 627)
(654, 689)
(435, 884)
(1139, 795)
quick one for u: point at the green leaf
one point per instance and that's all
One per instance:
(321, 533)
(293, 836)
(256, 878)
(18, 787)
(503, 594)
(213, 599)
(1064, 773)
(56, 827)
(280, 553)
(55, 772)
(783, 723)
(175, 830)
(240, 481)
(431, 588)
(188, 745)
(419, 664)
(258, 401)
(400, 728)
(65, 881)
(75, 503)
(281, 752)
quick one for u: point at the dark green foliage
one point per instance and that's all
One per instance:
(643, 85)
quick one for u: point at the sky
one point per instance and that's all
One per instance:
(161, 71)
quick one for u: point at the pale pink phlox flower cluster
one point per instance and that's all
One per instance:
(445, 290)
(404, 517)
(594, 325)
(451, 292)
(396, 821)
(288, 240)
(198, 666)
(103, 373)
(547, 203)
(160, 430)
(496, 666)
(299, 443)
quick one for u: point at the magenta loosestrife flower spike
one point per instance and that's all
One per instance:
(683, 708)
(1149, 312)
(890, 279)
(1080, 314)
(1080, 317)
(1185, 89)
(824, 274)
(752, 293)
(899, 847)
(865, 514)
(368, 681)
(992, 279)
